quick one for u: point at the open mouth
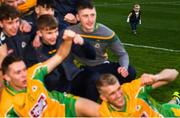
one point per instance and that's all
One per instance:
(24, 82)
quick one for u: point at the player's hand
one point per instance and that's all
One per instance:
(36, 42)
(123, 71)
(78, 40)
(147, 79)
(139, 21)
(25, 26)
(70, 18)
(69, 35)
(20, 2)
(10, 51)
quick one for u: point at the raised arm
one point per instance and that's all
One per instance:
(159, 79)
(62, 52)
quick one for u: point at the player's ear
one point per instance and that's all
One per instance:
(38, 32)
(37, 10)
(77, 17)
(103, 97)
(1, 25)
(6, 77)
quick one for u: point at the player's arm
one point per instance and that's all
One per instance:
(119, 50)
(3, 52)
(162, 78)
(62, 52)
(86, 107)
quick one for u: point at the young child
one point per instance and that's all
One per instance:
(134, 18)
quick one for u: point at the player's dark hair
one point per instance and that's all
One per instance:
(8, 12)
(83, 4)
(47, 22)
(46, 3)
(8, 60)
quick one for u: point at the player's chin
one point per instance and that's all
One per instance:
(53, 42)
(24, 84)
(120, 101)
(13, 33)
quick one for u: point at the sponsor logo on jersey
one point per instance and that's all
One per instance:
(144, 115)
(39, 107)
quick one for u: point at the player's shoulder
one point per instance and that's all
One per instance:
(103, 32)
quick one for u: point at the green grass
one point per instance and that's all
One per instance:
(160, 28)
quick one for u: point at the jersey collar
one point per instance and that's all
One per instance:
(96, 26)
(113, 109)
(11, 90)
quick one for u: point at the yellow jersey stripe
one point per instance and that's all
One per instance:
(98, 37)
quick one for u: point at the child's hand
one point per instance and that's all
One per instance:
(128, 20)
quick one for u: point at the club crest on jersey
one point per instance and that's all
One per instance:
(23, 45)
(39, 107)
(34, 88)
(2, 37)
(97, 45)
(138, 107)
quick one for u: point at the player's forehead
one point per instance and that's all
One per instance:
(10, 19)
(110, 88)
(48, 30)
(18, 65)
(87, 11)
(10, 1)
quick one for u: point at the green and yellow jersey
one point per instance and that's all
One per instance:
(138, 103)
(36, 101)
(6, 102)
(25, 7)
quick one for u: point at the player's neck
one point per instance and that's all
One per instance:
(117, 108)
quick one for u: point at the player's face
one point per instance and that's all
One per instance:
(40, 10)
(114, 95)
(10, 27)
(13, 3)
(16, 75)
(136, 9)
(87, 17)
(49, 36)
